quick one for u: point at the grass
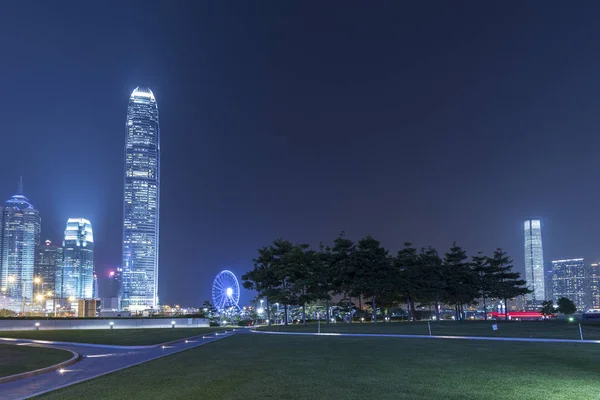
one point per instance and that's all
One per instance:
(247, 367)
(124, 337)
(525, 329)
(17, 359)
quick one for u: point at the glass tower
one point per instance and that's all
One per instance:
(19, 238)
(569, 279)
(76, 277)
(534, 261)
(141, 202)
(47, 266)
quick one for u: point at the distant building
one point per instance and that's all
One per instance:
(19, 237)
(141, 202)
(534, 261)
(76, 277)
(115, 287)
(569, 280)
(49, 261)
(86, 308)
(594, 287)
(95, 293)
(548, 281)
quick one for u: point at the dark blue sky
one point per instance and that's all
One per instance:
(428, 122)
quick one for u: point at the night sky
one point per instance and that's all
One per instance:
(427, 122)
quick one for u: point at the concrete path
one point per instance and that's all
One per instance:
(97, 361)
(389, 335)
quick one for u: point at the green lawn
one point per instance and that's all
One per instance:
(247, 367)
(525, 329)
(17, 359)
(125, 337)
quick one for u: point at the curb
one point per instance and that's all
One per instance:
(76, 357)
(402, 336)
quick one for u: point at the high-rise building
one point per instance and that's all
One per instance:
(47, 265)
(141, 202)
(19, 238)
(76, 277)
(114, 283)
(534, 261)
(95, 287)
(594, 287)
(569, 279)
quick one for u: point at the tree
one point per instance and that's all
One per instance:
(323, 277)
(461, 288)
(566, 306)
(431, 276)
(374, 271)
(409, 286)
(262, 278)
(547, 308)
(506, 283)
(343, 262)
(484, 273)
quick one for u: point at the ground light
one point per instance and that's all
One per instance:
(172, 324)
(111, 324)
(570, 319)
(37, 326)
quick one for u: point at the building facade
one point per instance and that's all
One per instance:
(569, 279)
(19, 238)
(534, 261)
(76, 277)
(141, 202)
(594, 287)
(47, 265)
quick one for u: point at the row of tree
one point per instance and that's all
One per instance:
(294, 274)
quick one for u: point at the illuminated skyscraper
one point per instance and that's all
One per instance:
(570, 280)
(141, 202)
(76, 277)
(48, 263)
(534, 261)
(19, 238)
(594, 287)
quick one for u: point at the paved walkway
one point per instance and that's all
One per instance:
(97, 360)
(389, 335)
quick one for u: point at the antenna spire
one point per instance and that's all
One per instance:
(20, 186)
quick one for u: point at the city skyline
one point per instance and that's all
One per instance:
(275, 131)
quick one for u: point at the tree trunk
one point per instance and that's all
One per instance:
(374, 312)
(437, 309)
(506, 309)
(412, 307)
(484, 308)
(457, 316)
(327, 310)
(285, 313)
(360, 306)
(304, 314)
(268, 312)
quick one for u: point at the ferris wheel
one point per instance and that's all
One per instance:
(225, 290)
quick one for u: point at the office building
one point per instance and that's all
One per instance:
(19, 238)
(141, 202)
(594, 287)
(76, 277)
(48, 263)
(534, 262)
(569, 280)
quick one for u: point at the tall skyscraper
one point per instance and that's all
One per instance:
(19, 238)
(141, 202)
(569, 279)
(534, 261)
(76, 277)
(594, 287)
(49, 261)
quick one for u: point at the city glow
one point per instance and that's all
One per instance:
(40, 297)
(37, 279)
